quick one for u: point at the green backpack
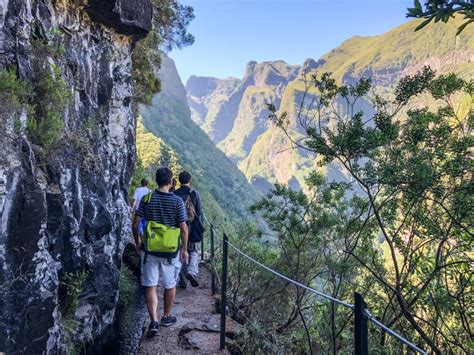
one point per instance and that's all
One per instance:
(159, 239)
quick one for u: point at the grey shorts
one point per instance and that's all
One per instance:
(159, 271)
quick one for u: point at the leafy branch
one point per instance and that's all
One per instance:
(442, 10)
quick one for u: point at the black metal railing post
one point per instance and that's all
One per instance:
(223, 291)
(360, 326)
(213, 270)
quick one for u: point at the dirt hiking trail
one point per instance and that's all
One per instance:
(197, 329)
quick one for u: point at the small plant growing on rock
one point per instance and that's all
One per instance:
(49, 44)
(73, 286)
(128, 285)
(84, 140)
(73, 283)
(14, 93)
(51, 95)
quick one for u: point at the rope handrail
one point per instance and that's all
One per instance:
(393, 333)
(323, 295)
(320, 294)
(283, 276)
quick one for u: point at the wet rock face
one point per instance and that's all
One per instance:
(64, 216)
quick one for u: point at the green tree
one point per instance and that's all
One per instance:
(413, 170)
(442, 10)
(312, 233)
(170, 21)
(146, 59)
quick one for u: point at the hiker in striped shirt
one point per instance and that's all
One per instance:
(167, 209)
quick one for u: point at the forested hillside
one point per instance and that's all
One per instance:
(240, 126)
(183, 145)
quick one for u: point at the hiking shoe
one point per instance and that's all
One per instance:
(168, 321)
(192, 280)
(152, 329)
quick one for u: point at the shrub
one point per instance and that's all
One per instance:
(409, 189)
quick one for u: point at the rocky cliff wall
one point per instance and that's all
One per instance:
(64, 214)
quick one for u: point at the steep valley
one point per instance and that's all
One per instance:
(169, 136)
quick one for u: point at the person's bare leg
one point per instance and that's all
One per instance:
(168, 297)
(152, 302)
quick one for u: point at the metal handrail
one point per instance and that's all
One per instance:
(335, 300)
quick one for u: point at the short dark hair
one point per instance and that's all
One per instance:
(144, 182)
(184, 177)
(163, 176)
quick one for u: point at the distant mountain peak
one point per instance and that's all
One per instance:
(249, 68)
(310, 64)
(269, 73)
(171, 82)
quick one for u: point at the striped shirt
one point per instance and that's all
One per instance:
(164, 208)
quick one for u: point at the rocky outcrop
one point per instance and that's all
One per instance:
(64, 211)
(203, 333)
(131, 17)
(308, 65)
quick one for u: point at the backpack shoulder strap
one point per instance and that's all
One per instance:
(192, 195)
(146, 200)
(147, 197)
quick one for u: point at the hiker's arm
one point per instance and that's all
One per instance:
(136, 224)
(134, 200)
(184, 241)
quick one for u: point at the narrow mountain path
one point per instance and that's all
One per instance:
(197, 329)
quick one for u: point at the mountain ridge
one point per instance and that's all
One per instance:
(222, 107)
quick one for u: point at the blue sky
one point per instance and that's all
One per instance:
(230, 33)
